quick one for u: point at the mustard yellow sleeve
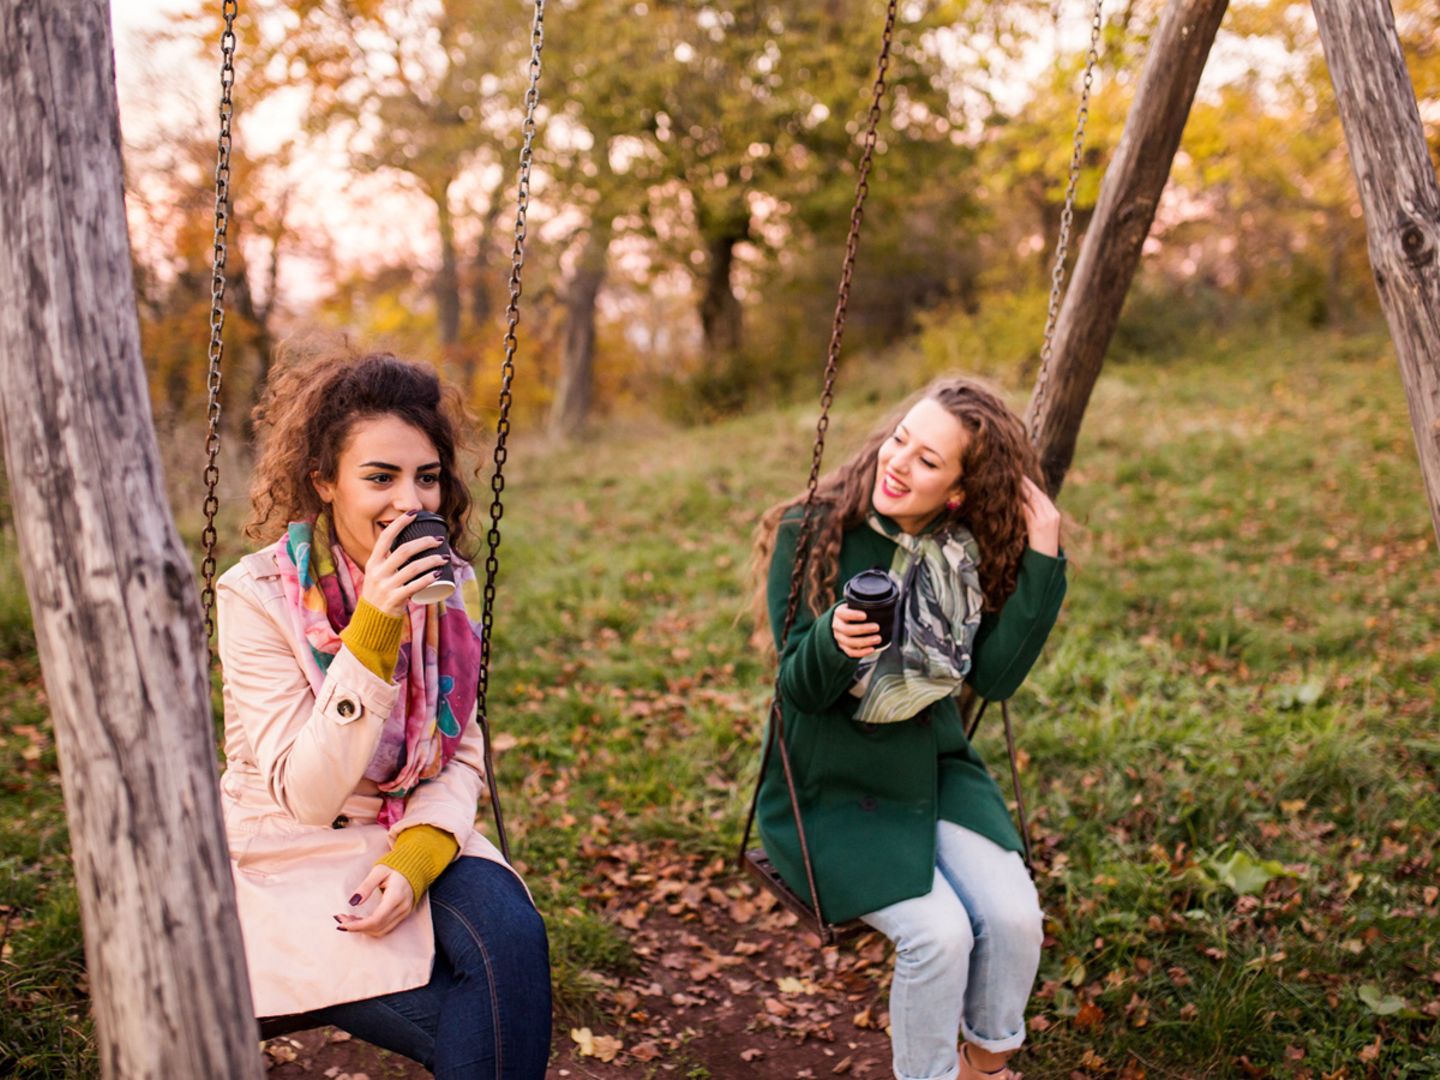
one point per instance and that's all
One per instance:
(421, 853)
(374, 638)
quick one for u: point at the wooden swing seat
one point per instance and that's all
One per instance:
(758, 865)
(272, 1027)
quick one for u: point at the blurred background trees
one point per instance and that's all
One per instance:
(694, 172)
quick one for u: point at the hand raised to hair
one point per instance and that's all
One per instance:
(1042, 518)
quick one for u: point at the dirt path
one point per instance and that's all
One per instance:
(726, 985)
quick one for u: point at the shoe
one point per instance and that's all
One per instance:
(970, 1071)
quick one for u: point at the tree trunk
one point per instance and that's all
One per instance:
(720, 314)
(482, 301)
(111, 589)
(575, 390)
(447, 281)
(1123, 215)
(1401, 201)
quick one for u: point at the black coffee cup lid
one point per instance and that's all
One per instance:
(870, 586)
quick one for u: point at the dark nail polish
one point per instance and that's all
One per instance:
(411, 513)
(342, 929)
(355, 899)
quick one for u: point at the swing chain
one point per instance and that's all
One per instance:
(1067, 217)
(507, 378)
(837, 329)
(776, 733)
(230, 9)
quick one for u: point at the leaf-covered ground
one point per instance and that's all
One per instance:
(1229, 748)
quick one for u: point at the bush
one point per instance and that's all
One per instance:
(1000, 340)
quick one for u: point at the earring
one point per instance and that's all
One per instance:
(953, 503)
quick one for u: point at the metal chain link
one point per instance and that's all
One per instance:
(807, 520)
(1067, 217)
(230, 9)
(837, 328)
(502, 429)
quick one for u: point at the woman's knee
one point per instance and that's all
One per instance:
(1020, 925)
(947, 941)
(483, 915)
(529, 930)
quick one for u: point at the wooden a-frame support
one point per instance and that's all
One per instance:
(1398, 193)
(112, 591)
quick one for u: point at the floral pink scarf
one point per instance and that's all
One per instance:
(437, 688)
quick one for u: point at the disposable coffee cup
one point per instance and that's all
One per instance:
(428, 524)
(874, 593)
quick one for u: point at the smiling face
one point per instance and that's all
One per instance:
(918, 468)
(386, 467)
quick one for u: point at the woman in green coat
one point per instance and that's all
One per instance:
(906, 828)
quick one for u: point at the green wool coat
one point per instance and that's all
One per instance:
(870, 795)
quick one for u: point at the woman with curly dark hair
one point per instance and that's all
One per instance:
(354, 765)
(905, 827)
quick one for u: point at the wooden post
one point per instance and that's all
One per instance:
(1123, 215)
(1400, 198)
(113, 594)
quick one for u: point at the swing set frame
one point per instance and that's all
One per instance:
(170, 994)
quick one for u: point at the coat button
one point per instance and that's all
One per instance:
(345, 707)
(340, 822)
(868, 803)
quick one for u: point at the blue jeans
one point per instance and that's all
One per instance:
(485, 1014)
(966, 954)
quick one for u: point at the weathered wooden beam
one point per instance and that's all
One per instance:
(112, 592)
(1400, 198)
(1111, 250)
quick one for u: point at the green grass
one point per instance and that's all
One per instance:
(1231, 755)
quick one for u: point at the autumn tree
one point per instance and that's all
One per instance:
(427, 92)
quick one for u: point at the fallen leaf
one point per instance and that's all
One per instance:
(602, 1047)
(1089, 1016)
(1243, 874)
(1379, 1003)
(790, 985)
(648, 1050)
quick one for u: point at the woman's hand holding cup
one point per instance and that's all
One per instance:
(390, 580)
(856, 635)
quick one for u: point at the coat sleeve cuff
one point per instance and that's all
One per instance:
(374, 638)
(421, 853)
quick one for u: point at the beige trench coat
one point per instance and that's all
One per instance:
(301, 818)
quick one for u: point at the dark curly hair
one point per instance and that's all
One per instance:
(997, 455)
(312, 401)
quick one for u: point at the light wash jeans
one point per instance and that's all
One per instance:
(966, 954)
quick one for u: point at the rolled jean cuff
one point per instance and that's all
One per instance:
(995, 1046)
(948, 1074)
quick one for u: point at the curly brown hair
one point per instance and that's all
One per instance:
(313, 398)
(996, 456)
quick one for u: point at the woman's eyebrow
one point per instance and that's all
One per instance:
(427, 467)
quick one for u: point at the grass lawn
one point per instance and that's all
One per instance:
(1229, 744)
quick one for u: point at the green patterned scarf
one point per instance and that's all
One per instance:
(937, 616)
